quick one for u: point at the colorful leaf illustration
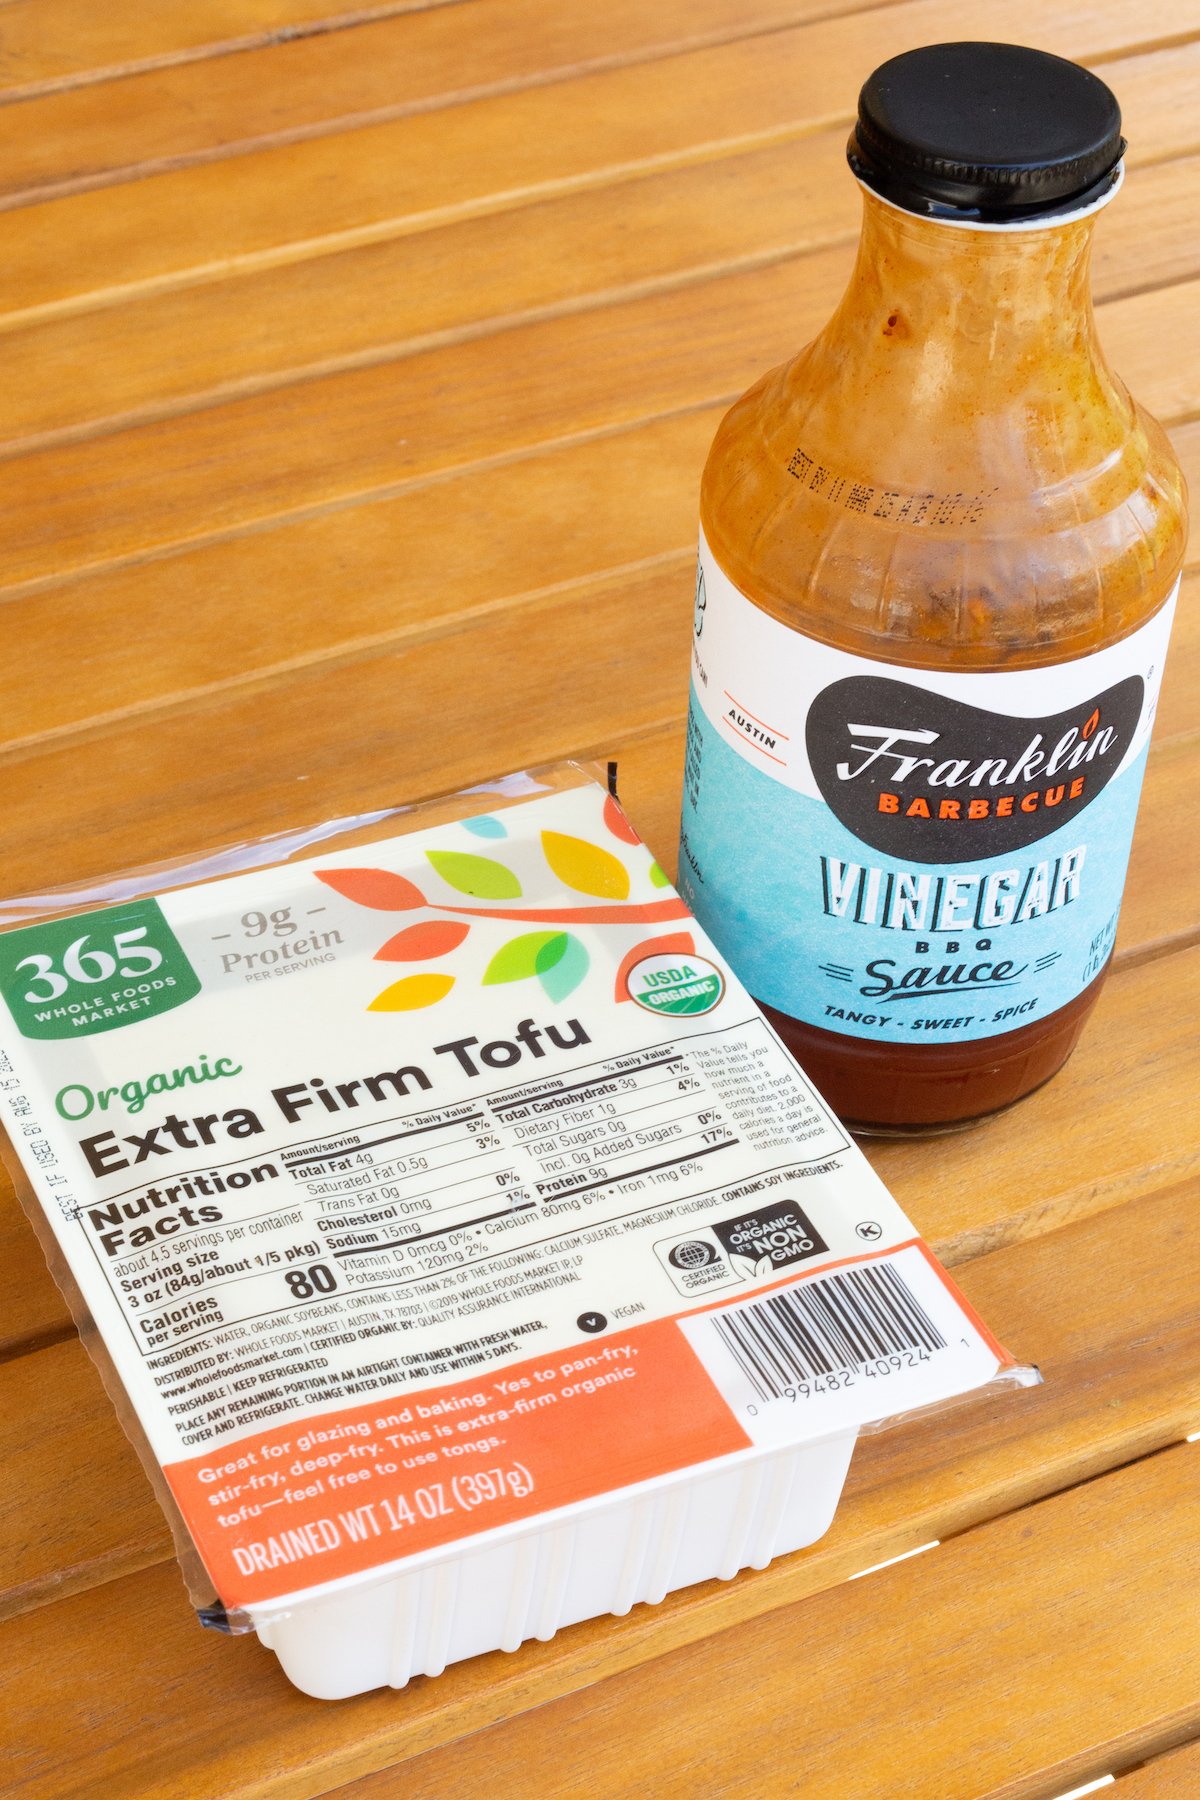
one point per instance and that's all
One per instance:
(657, 877)
(618, 824)
(486, 826)
(586, 867)
(411, 993)
(433, 937)
(530, 954)
(676, 943)
(567, 971)
(477, 875)
(373, 887)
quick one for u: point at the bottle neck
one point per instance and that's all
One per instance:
(978, 346)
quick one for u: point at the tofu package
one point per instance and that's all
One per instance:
(461, 1249)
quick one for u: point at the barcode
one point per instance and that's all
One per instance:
(826, 1325)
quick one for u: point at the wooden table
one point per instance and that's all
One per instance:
(358, 373)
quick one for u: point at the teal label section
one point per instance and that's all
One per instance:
(98, 971)
(827, 929)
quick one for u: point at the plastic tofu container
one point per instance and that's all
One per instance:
(462, 1251)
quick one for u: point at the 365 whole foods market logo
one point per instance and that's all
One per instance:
(98, 971)
(930, 779)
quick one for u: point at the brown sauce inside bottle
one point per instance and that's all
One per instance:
(894, 1089)
(950, 478)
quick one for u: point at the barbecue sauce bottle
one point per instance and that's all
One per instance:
(939, 555)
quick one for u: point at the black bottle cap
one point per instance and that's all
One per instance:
(990, 132)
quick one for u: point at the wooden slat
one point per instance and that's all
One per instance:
(930, 1671)
(307, 85)
(32, 1311)
(46, 45)
(325, 442)
(354, 584)
(357, 581)
(278, 204)
(75, 1506)
(162, 353)
(1118, 1384)
(55, 1418)
(1175, 1776)
(358, 731)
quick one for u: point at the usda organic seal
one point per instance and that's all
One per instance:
(676, 984)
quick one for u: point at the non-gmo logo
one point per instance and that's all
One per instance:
(94, 972)
(772, 1238)
(678, 985)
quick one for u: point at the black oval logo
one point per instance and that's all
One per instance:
(928, 779)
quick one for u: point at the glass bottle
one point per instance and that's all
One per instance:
(939, 553)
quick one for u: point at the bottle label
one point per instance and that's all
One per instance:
(901, 853)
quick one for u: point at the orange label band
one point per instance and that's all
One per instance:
(342, 1492)
(353, 1489)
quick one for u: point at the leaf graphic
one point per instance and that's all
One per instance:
(677, 943)
(486, 826)
(657, 878)
(373, 887)
(477, 875)
(618, 824)
(567, 971)
(411, 993)
(764, 1267)
(432, 937)
(586, 867)
(530, 954)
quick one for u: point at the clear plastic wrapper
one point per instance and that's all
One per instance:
(460, 1248)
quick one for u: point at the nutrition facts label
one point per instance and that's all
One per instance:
(426, 1216)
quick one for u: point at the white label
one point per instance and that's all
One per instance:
(908, 855)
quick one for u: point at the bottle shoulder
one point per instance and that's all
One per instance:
(994, 572)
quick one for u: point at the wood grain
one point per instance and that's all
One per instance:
(69, 1467)
(1115, 1122)
(1118, 1383)
(1087, 1356)
(900, 1673)
(1175, 1776)
(304, 85)
(366, 431)
(278, 204)
(353, 582)
(32, 1311)
(341, 734)
(46, 45)
(162, 353)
